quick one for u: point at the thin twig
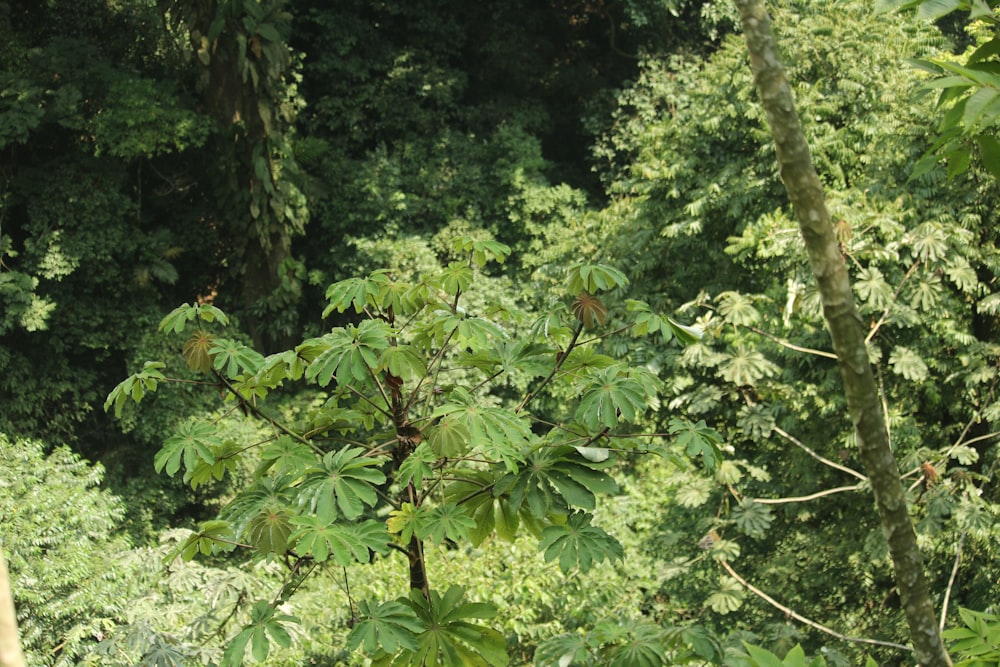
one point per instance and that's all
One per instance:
(951, 580)
(813, 496)
(791, 346)
(802, 619)
(798, 443)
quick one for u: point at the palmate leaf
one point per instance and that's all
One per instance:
(592, 278)
(263, 495)
(350, 354)
(608, 397)
(727, 598)
(450, 638)
(406, 521)
(388, 627)
(348, 543)
(403, 361)
(908, 363)
(554, 480)
(357, 292)
(737, 309)
(179, 317)
(193, 442)
(135, 386)
(489, 513)
(270, 529)
(417, 466)
(745, 367)
(698, 440)
(562, 650)
(285, 455)
(752, 518)
(446, 521)
(231, 358)
(648, 322)
(227, 458)
(265, 625)
(344, 480)
(498, 433)
(579, 544)
(212, 537)
(631, 643)
(456, 278)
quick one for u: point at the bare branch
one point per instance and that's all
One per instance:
(812, 496)
(798, 443)
(791, 346)
(802, 619)
(951, 580)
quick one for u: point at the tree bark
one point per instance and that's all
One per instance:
(10, 645)
(846, 330)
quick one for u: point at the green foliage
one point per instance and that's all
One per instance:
(265, 626)
(978, 643)
(386, 460)
(59, 533)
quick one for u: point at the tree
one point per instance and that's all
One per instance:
(428, 424)
(840, 311)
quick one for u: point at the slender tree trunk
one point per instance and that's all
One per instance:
(10, 645)
(847, 332)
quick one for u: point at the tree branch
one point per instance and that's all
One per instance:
(792, 346)
(798, 443)
(812, 496)
(951, 581)
(802, 619)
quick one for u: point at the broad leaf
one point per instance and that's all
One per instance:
(344, 480)
(193, 441)
(577, 544)
(388, 627)
(347, 543)
(610, 396)
(265, 625)
(135, 386)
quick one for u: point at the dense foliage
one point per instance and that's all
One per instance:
(410, 357)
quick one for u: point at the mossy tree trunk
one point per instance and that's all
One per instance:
(846, 329)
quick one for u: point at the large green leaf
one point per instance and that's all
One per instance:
(579, 544)
(135, 386)
(344, 480)
(265, 625)
(231, 358)
(347, 543)
(450, 638)
(193, 441)
(608, 397)
(350, 354)
(358, 292)
(498, 433)
(387, 627)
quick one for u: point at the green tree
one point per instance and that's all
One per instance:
(846, 329)
(715, 233)
(424, 429)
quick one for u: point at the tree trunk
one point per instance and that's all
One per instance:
(847, 332)
(10, 645)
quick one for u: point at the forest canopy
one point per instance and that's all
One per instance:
(484, 334)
